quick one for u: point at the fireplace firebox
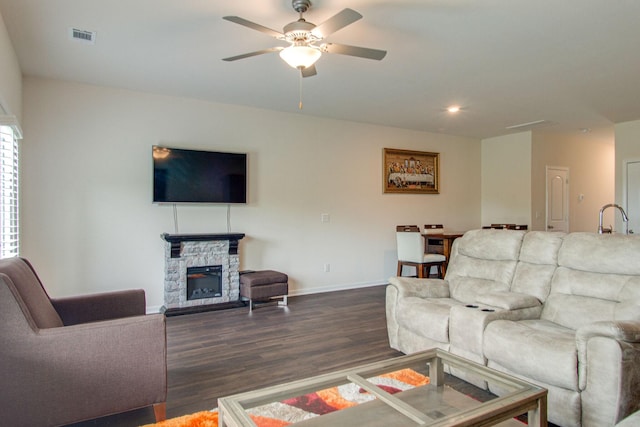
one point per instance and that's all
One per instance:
(204, 282)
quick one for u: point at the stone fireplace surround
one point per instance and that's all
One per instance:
(198, 250)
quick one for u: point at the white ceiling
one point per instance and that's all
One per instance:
(573, 63)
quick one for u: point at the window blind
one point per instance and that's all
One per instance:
(9, 202)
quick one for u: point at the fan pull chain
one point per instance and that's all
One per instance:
(300, 90)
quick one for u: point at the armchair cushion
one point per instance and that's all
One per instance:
(96, 307)
(32, 293)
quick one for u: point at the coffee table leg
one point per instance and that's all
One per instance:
(538, 417)
(436, 371)
(220, 418)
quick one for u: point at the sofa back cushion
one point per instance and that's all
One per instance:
(483, 261)
(598, 279)
(28, 285)
(537, 262)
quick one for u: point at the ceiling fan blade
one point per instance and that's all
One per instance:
(250, 54)
(336, 22)
(254, 26)
(362, 52)
(309, 71)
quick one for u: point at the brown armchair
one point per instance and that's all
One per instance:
(73, 359)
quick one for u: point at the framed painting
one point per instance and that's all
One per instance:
(412, 172)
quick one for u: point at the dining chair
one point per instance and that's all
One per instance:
(411, 245)
(517, 227)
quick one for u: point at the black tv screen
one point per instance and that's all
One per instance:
(193, 176)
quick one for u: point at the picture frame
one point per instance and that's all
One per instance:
(410, 172)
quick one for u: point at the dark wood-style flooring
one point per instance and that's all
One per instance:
(224, 352)
(219, 353)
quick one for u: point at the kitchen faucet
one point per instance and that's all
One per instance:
(625, 218)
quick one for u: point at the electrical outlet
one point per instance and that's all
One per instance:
(325, 217)
(327, 268)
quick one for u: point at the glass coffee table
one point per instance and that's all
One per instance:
(434, 404)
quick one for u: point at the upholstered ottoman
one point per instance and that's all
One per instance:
(263, 285)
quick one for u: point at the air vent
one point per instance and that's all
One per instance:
(530, 125)
(83, 36)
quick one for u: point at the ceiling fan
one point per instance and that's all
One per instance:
(302, 53)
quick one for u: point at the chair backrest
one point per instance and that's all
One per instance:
(433, 228)
(410, 246)
(20, 273)
(517, 227)
(407, 228)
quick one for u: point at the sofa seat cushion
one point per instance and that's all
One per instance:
(537, 349)
(426, 317)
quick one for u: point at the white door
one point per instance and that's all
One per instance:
(557, 199)
(632, 195)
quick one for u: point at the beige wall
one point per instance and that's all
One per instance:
(506, 179)
(627, 148)
(590, 159)
(10, 75)
(514, 175)
(89, 225)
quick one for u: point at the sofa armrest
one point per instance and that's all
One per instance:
(421, 288)
(405, 287)
(623, 331)
(97, 307)
(508, 300)
(632, 420)
(628, 331)
(609, 365)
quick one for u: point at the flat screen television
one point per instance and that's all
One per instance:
(193, 176)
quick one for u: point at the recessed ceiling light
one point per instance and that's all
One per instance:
(453, 109)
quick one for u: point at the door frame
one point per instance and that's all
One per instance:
(625, 201)
(546, 193)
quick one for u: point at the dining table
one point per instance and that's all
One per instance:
(447, 237)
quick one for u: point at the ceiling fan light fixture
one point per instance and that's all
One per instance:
(300, 56)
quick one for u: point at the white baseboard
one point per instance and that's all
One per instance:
(152, 309)
(334, 288)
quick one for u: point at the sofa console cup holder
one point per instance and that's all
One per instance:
(488, 310)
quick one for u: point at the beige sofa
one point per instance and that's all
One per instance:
(559, 310)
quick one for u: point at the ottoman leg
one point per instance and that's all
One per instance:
(284, 301)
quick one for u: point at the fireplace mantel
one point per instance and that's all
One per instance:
(176, 240)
